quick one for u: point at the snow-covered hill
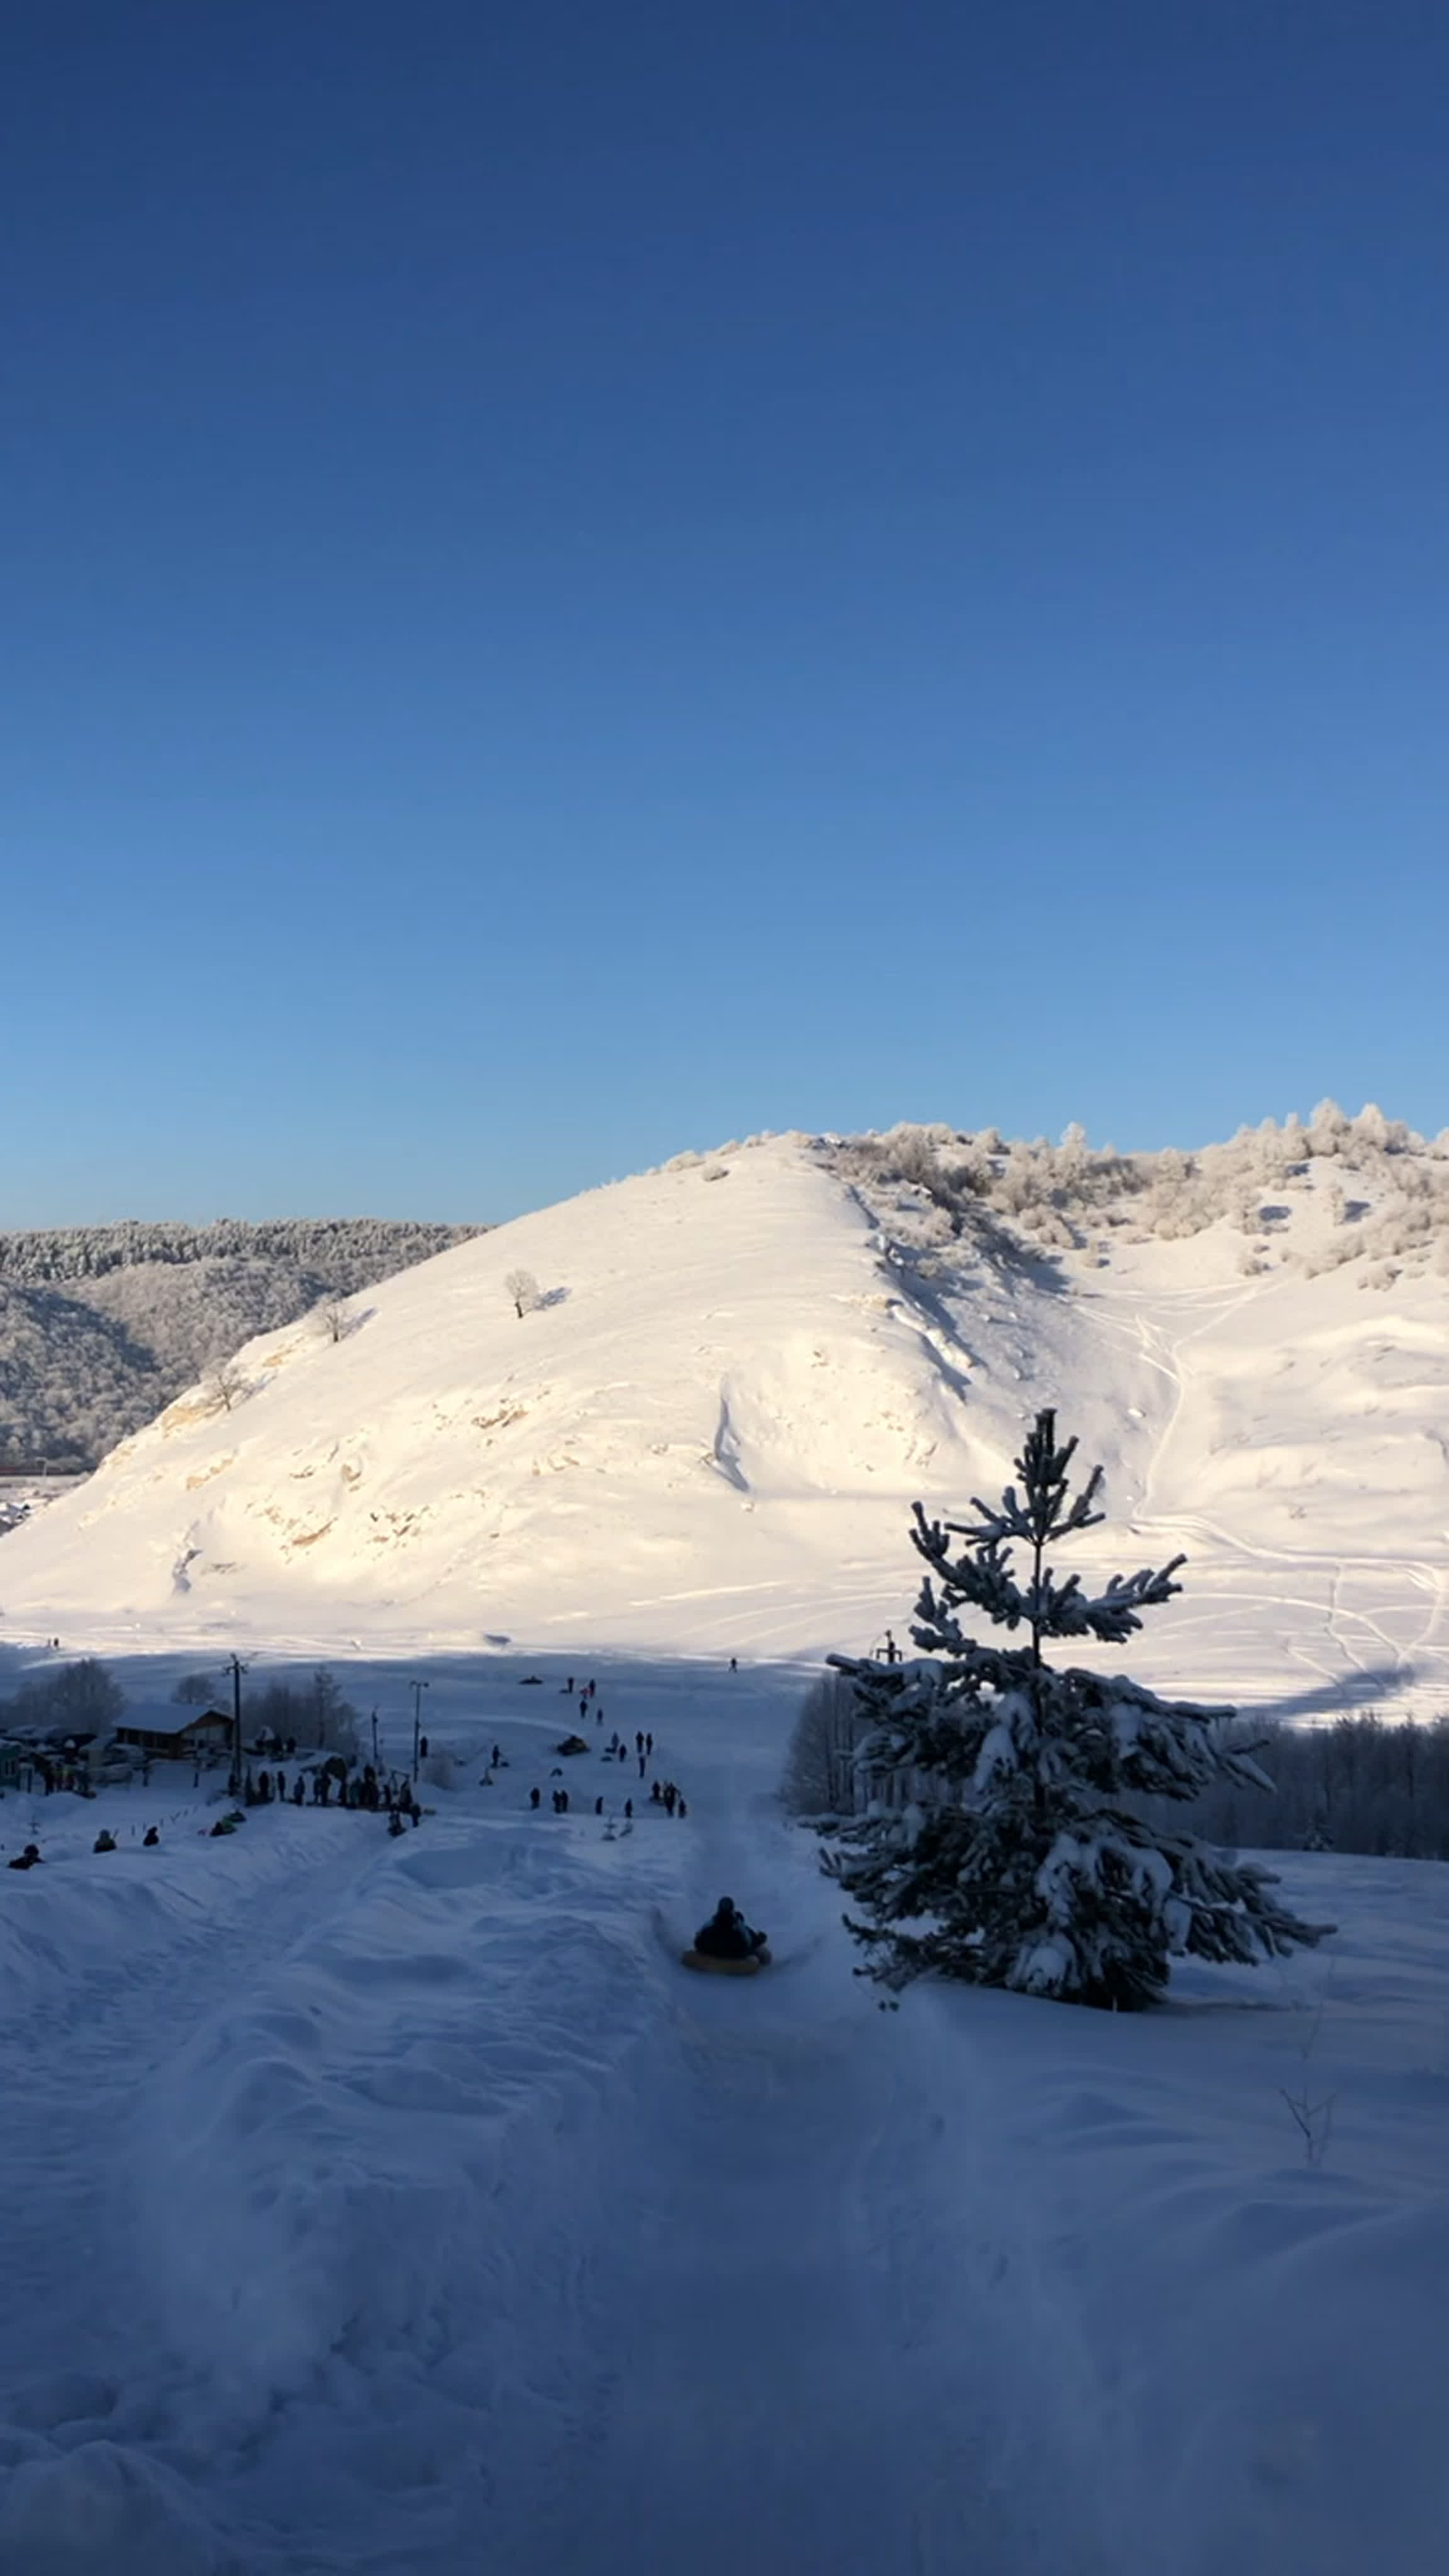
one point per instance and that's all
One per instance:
(742, 1369)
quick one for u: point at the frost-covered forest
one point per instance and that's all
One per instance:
(1377, 1192)
(1359, 1784)
(100, 1326)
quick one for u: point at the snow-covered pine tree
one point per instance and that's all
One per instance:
(1007, 1839)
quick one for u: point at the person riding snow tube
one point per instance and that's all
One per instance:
(727, 1935)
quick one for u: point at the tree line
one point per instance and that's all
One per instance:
(1359, 1784)
(52, 1253)
(101, 1326)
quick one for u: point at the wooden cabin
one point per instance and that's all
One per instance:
(171, 1734)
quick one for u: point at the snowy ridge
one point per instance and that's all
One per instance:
(740, 1372)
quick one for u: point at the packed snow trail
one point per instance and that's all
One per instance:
(795, 2349)
(390, 2208)
(404, 2208)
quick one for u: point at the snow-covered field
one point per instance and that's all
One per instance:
(707, 1437)
(403, 2208)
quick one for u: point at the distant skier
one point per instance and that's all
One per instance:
(534, 1796)
(598, 1806)
(649, 1744)
(395, 1823)
(628, 1806)
(641, 1766)
(150, 1838)
(104, 1841)
(639, 1742)
(681, 1809)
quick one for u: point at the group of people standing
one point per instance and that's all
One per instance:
(663, 1793)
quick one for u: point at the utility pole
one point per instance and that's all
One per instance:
(236, 1668)
(418, 1689)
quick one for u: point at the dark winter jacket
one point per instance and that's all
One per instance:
(727, 1937)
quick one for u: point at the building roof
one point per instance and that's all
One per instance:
(165, 1718)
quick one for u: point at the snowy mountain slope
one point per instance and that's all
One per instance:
(743, 1370)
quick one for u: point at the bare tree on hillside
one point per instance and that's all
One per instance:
(225, 1385)
(523, 1288)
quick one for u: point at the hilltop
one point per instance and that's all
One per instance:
(738, 1372)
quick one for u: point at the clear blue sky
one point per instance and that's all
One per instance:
(581, 579)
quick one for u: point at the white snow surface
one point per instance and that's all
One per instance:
(404, 2208)
(709, 1434)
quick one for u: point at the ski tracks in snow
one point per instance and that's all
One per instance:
(796, 2323)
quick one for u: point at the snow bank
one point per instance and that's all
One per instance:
(321, 2164)
(1264, 2307)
